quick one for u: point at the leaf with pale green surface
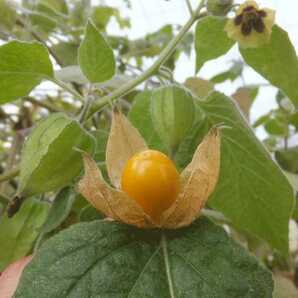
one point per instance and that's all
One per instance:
(211, 41)
(49, 159)
(96, 58)
(277, 62)
(17, 234)
(23, 66)
(104, 259)
(252, 191)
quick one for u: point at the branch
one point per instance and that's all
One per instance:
(9, 175)
(167, 51)
(43, 104)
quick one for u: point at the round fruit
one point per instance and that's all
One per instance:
(151, 179)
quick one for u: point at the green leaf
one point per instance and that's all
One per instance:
(172, 113)
(67, 52)
(22, 67)
(49, 159)
(7, 15)
(251, 191)
(17, 234)
(140, 117)
(89, 213)
(288, 159)
(199, 87)
(96, 58)
(59, 6)
(211, 41)
(60, 209)
(277, 62)
(102, 136)
(104, 259)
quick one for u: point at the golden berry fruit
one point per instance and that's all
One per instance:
(152, 180)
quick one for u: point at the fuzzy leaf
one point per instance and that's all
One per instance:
(211, 41)
(23, 66)
(48, 159)
(103, 259)
(251, 191)
(17, 234)
(96, 58)
(277, 62)
(59, 210)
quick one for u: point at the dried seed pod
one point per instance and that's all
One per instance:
(197, 181)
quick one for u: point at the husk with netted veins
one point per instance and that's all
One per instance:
(197, 180)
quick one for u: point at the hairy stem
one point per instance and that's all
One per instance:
(165, 54)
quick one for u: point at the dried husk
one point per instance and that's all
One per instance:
(112, 202)
(124, 141)
(197, 180)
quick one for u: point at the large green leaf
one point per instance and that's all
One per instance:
(96, 58)
(17, 234)
(60, 209)
(211, 41)
(49, 159)
(139, 115)
(172, 113)
(7, 15)
(103, 259)
(22, 67)
(277, 62)
(252, 191)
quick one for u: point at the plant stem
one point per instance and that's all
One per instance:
(167, 265)
(43, 104)
(189, 7)
(167, 51)
(67, 88)
(9, 175)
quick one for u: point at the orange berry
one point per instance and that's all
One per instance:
(152, 180)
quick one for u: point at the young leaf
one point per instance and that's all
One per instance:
(251, 191)
(49, 159)
(96, 58)
(7, 15)
(104, 259)
(17, 234)
(211, 41)
(139, 116)
(277, 62)
(288, 159)
(172, 113)
(23, 66)
(59, 210)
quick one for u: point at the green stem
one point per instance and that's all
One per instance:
(167, 265)
(167, 51)
(67, 88)
(9, 175)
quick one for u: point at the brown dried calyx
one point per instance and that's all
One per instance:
(197, 180)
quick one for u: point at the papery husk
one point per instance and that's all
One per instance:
(197, 182)
(113, 203)
(124, 142)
